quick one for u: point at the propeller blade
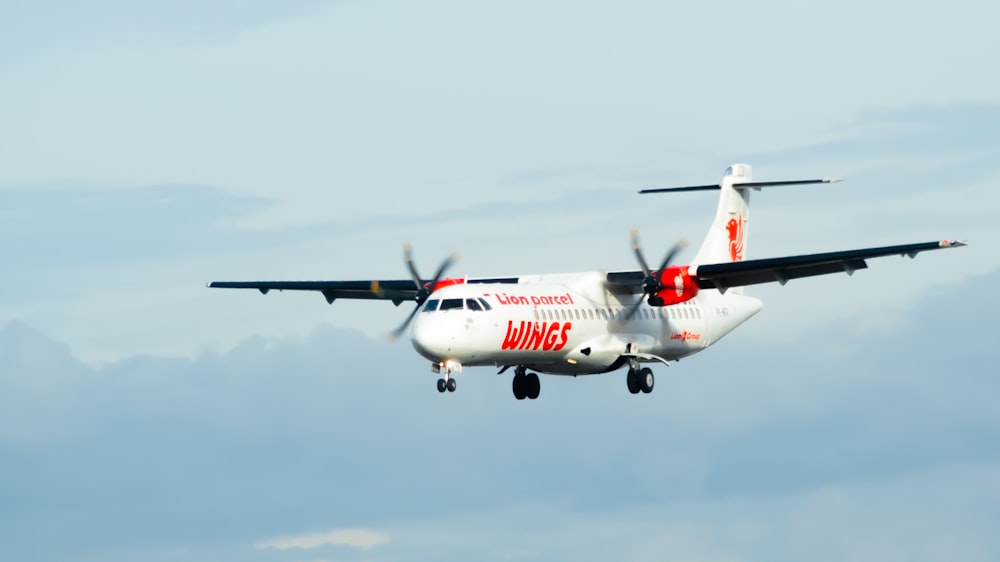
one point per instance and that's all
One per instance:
(448, 261)
(651, 284)
(422, 291)
(680, 245)
(406, 324)
(408, 257)
(635, 308)
(638, 252)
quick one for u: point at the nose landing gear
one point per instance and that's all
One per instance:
(447, 383)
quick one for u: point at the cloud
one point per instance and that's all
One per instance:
(358, 538)
(221, 449)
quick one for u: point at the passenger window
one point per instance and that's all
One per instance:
(431, 305)
(451, 304)
(472, 304)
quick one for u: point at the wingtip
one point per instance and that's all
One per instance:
(954, 243)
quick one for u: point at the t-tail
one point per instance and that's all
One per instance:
(726, 240)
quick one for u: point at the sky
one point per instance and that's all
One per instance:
(150, 147)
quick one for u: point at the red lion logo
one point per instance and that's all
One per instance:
(735, 229)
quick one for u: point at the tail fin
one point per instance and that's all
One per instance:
(727, 237)
(726, 240)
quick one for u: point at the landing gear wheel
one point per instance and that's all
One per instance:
(518, 385)
(442, 385)
(452, 385)
(533, 386)
(646, 380)
(632, 381)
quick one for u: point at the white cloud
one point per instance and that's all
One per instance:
(358, 538)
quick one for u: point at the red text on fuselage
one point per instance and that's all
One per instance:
(547, 336)
(534, 300)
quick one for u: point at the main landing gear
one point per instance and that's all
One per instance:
(525, 384)
(640, 380)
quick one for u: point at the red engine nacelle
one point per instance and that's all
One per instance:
(679, 286)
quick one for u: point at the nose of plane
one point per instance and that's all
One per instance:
(431, 338)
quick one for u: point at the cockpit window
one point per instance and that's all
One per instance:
(451, 304)
(472, 304)
(486, 305)
(431, 305)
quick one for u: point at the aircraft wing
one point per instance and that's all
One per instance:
(395, 290)
(722, 276)
(751, 272)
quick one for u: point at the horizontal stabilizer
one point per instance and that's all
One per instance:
(711, 187)
(739, 185)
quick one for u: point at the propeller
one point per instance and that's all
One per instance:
(651, 282)
(423, 290)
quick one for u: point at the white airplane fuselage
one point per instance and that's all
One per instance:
(568, 324)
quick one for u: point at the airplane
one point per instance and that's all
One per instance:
(597, 322)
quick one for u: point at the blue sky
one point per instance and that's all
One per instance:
(150, 147)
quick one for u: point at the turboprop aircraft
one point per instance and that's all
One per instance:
(596, 322)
